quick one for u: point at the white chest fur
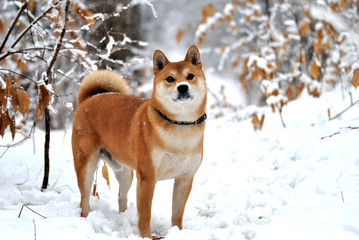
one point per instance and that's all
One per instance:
(183, 154)
(171, 165)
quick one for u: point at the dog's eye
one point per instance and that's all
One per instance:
(170, 79)
(190, 76)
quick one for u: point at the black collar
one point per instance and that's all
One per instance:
(198, 121)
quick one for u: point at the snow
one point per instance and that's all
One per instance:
(228, 9)
(278, 183)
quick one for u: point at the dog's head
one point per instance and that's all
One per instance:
(179, 88)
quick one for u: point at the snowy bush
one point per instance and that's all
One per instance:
(279, 48)
(44, 55)
(45, 50)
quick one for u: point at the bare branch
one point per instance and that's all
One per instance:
(24, 205)
(336, 133)
(339, 114)
(34, 228)
(59, 43)
(19, 74)
(19, 142)
(23, 7)
(32, 24)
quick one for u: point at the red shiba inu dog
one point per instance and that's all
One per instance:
(160, 137)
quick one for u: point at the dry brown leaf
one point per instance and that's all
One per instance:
(244, 3)
(257, 123)
(5, 120)
(314, 92)
(335, 6)
(330, 31)
(12, 127)
(201, 38)
(249, 19)
(223, 49)
(38, 111)
(94, 190)
(24, 102)
(273, 108)
(305, 11)
(344, 3)
(205, 12)
(105, 174)
(255, 120)
(355, 80)
(233, 28)
(304, 28)
(261, 122)
(78, 45)
(43, 101)
(3, 100)
(7, 88)
(179, 35)
(314, 69)
(2, 27)
(293, 91)
(14, 99)
(84, 14)
(31, 5)
(45, 95)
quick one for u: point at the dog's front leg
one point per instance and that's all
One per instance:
(145, 188)
(181, 190)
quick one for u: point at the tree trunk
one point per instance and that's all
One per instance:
(48, 80)
(45, 181)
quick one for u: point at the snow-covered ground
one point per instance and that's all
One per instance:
(278, 183)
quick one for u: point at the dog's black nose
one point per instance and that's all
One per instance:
(182, 89)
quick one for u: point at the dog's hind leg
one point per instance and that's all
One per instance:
(124, 176)
(85, 161)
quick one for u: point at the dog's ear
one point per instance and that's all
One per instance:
(193, 56)
(159, 61)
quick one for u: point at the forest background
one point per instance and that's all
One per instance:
(273, 51)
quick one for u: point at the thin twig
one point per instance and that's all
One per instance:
(58, 97)
(32, 24)
(339, 114)
(59, 43)
(19, 74)
(336, 133)
(280, 115)
(19, 142)
(24, 205)
(21, 10)
(4, 152)
(57, 180)
(34, 228)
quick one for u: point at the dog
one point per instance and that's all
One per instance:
(160, 137)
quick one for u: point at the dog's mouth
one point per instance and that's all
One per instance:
(182, 97)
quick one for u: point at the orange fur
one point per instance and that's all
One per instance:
(138, 137)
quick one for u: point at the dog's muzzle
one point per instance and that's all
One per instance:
(183, 93)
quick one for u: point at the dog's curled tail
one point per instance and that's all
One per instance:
(100, 82)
